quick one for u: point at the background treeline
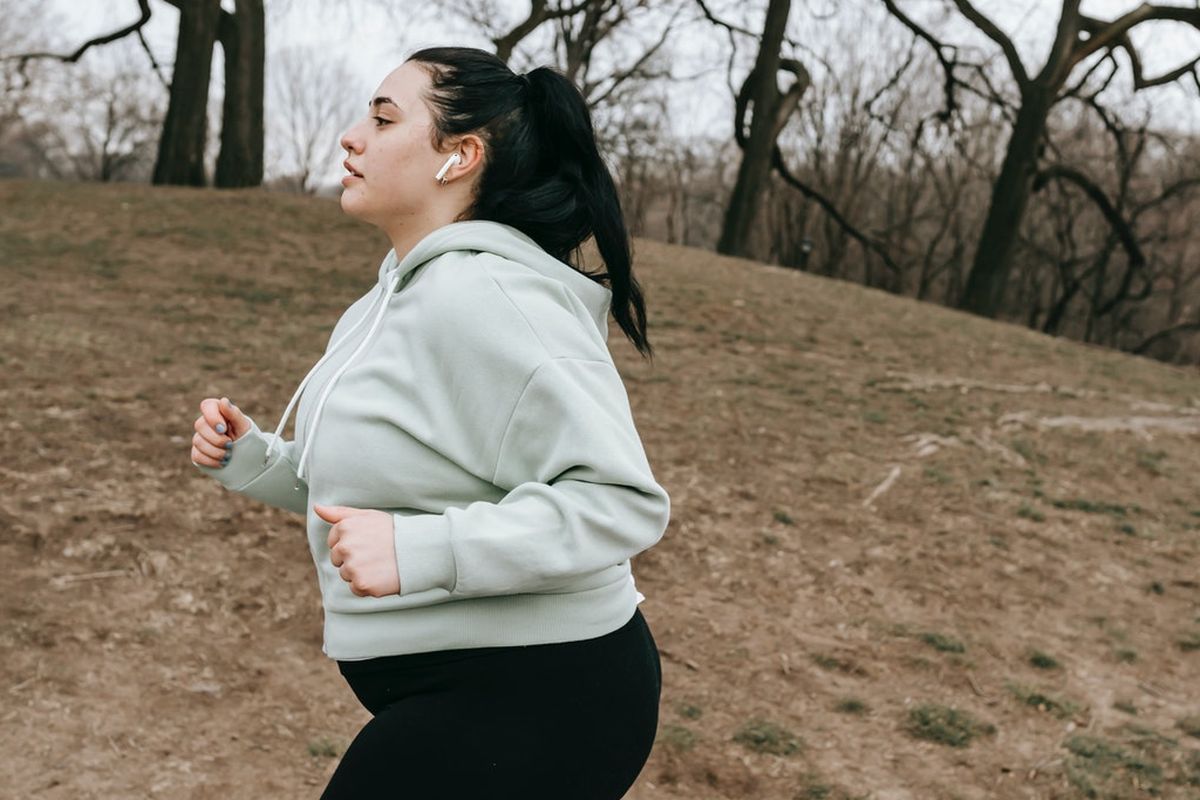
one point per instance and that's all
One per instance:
(1048, 175)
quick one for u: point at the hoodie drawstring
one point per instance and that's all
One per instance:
(308, 439)
(386, 291)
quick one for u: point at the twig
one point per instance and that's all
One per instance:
(883, 487)
(88, 576)
(687, 662)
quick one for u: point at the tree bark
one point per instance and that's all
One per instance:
(243, 40)
(181, 146)
(756, 156)
(984, 290)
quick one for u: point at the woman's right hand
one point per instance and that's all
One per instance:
(219, 424)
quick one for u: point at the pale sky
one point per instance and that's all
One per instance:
(372, 42)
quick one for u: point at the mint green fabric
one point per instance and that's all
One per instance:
(470, 394)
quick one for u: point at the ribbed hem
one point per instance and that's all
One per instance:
(496, 621)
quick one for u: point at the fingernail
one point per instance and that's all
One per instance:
(224, 460)
(220, 427)
(229, 445)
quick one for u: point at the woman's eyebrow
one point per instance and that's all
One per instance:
(378, 101)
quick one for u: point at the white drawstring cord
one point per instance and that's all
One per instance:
(300, 389)
(329, 385)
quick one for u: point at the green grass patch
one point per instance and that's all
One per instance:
(1125, 655)
(1043, 660)
(937, 475)
(1024, 448)
(945, 725)
(677, 737)
(1027, 511)
(1152, 461)
(813, 788)
(762, 736)
(1100, 768)
(1126, 706)
(947, 644)
(1042, 701)
(851, 705)
(322, 748)
(1189, 642)
(1094, 506)
(837, 664)
(1135, 762)
(1189, 725)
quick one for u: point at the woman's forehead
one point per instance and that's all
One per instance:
(402, 83)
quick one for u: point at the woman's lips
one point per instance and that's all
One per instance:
(346, 179)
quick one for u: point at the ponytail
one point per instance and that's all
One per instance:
(542, 171)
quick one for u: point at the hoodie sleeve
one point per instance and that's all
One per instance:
(581, 496)
(273, 484)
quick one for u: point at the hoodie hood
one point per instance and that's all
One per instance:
(394, 273)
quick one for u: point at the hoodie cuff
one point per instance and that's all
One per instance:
(424, 558)
(245, 460)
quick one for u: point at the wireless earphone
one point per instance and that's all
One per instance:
(451, 161)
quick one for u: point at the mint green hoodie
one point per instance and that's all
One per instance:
(470, 393)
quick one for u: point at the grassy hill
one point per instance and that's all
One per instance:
(913, 553)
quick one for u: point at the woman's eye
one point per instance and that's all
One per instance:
(381, 121)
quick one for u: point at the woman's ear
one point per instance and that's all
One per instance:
(471, 148)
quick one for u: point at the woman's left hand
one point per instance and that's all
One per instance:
(362, 545)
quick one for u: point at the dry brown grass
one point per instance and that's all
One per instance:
(873, 498)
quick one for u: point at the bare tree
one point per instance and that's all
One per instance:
(242, 35)
(311, 104)
(185, 127)
(1082, 47)
(601, 45)
(95, 120)
(25, 28)
(771, 110)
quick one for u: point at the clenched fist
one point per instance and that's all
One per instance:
(219, 424)
(362, 546)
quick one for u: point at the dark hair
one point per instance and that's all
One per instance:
(542, 172)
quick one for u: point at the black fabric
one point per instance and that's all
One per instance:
(567, 720)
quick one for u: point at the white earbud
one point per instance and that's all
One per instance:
(451, 161)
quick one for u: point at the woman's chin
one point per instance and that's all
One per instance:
(349, 202)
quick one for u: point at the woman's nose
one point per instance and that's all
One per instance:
(349, 140)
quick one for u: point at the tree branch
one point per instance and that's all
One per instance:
(1103, 34)
(993, 32)
(637, 68)
(947, 55)
(1150, 340)
(1118, 223)
(23, 59)
(538, 13)
(825, 203)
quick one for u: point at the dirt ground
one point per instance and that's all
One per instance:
(913, 553)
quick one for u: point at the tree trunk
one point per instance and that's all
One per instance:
(243, 40)
(988, 278)
(756, 156)
(181, 146)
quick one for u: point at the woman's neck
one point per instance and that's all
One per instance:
(406, 232)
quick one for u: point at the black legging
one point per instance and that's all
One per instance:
(567, 720)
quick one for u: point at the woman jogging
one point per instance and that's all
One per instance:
(465, 456)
